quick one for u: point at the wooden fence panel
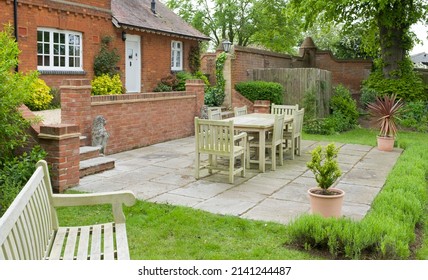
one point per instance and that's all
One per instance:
(298, 81)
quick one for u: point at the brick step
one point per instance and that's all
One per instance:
(95, 165)
(88, 152)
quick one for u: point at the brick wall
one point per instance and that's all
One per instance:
(94, 21)
(350, 73)
(133, 120)
(347, 72)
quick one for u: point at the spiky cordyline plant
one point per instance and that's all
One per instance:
(385, 110)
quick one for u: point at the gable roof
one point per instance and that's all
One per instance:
(420, 58)
(137, 15)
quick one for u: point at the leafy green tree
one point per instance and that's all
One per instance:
(387, 24)
(14, 90)
(264, 23)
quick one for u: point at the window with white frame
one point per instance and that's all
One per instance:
(176, 56)
(59, 50)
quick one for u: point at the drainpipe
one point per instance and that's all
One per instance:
(15, 24)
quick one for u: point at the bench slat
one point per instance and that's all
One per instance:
(70, 247)
(29, 228)
(58, 244)
(108, 242)
(82, 251)
(96, 243)
(121, 242)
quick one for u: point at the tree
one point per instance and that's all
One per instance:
(14, 89)
(387, 24)
(264, 23)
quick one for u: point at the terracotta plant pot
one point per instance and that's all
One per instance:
(326, 205)
(385, 144)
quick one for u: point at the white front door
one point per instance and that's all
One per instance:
(133, 63)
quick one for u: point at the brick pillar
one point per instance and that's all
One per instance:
(62, 143)
(262, 106)
(197, 87)
(76, 105)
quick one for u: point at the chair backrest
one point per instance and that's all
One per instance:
(287, 110)
(278, 129)
(214, 136)
(298, 121)
(239, 111)
(214, 113)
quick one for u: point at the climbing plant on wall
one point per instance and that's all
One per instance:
(214, 96)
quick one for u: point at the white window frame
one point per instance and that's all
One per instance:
(176, 56)
(66, 54)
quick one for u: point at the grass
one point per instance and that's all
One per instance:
(161, 232)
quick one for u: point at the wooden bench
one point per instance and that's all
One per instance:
(29, 230)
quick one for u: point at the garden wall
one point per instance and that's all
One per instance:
(133, 120)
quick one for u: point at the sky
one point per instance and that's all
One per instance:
(421, 32)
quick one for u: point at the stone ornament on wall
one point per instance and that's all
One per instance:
(99, 133)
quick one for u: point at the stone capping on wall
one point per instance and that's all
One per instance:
(139, 97)
(335, 59)
(264, 52)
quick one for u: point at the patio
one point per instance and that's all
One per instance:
(163, 173)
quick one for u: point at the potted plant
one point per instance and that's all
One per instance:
(385, 109)
(324, 199)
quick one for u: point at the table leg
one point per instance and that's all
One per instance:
(262, 150)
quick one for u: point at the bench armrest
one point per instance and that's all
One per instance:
(116, 199)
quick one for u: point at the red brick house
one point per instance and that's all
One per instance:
(60, 38)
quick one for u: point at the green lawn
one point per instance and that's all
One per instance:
(170, 232)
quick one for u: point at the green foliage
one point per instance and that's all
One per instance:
(181, 77)
(106, 60)
(264, 23)
(414, 115)
(405, 82)
(386, 24)
(14, 90)
(107, 85)
(40, 97)
(214, 96)
(344, 109)
(388, 229)
(324, 166)
(194, 59)
(260, 90)
(368, 95)
(56, 98)
(344, 113)
(14, 173)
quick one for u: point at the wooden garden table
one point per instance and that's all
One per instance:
(259, 123)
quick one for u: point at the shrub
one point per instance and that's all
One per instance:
(14, 173)
(414, 115)
(106, 60)
(107, 85)
(182, 76)
(368, 95)
(406, 83)
(14, 90)
(40, 97)
(345, 107)
(388, 228)
(56, 100)
(260, 90)
(214, 96)
(161, 87)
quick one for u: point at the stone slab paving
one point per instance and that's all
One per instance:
(164, 173)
